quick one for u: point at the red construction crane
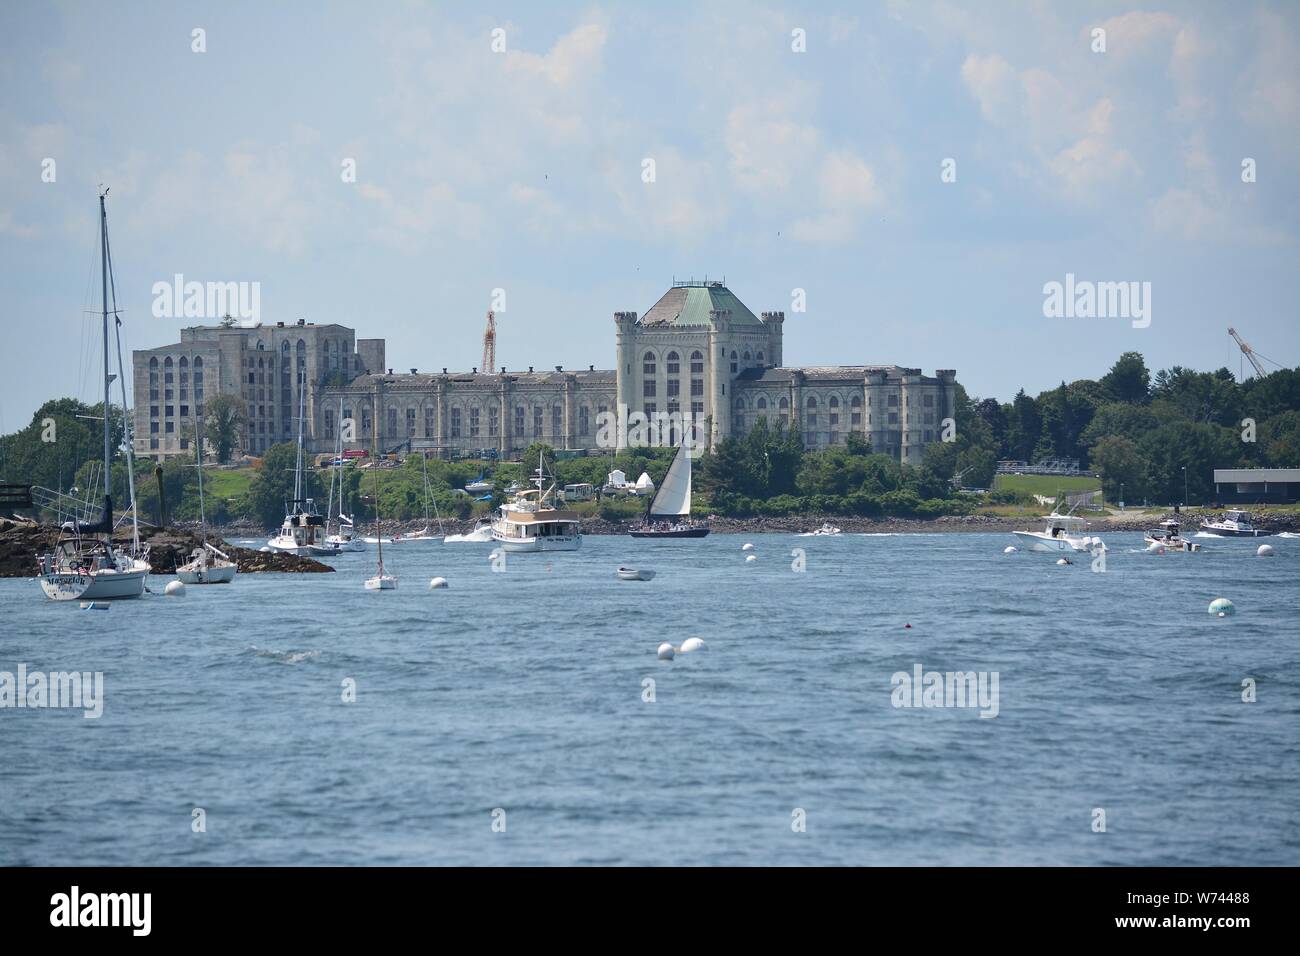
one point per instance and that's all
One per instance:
(490, 345)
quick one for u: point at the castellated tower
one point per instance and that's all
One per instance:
(775, 323)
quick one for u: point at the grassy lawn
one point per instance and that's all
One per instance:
(1050, 485)
(226, 484)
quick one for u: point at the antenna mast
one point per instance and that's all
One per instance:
(490, 345)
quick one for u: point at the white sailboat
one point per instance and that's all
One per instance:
(669, 513)
(344, 538)
(425, 533)
(382, 580)
(207, 564)
(82, 566)
(303, 530)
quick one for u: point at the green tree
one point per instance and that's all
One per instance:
(1121, 466)
(224, 416)
(1128, 379)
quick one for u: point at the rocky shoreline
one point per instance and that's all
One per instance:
(21, 545)
(850, 524)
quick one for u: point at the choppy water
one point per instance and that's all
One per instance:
(524, 691)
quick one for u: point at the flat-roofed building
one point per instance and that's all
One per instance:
(1257, 485)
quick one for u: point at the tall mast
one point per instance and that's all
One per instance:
(103, 277)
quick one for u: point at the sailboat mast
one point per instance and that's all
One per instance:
(103, 277)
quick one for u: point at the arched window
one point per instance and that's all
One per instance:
(812, 401)
(785, 404)
(759, 357)
(648, 363)
(697, 363)
(284, 346)
(746, 356)
(674, 364)
(302, 345)
(835, 402)
(733, 361)
(762, 403)
(153, 362)
(198, 361)
(167, 363)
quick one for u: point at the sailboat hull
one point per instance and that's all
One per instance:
(222, 574)
(99, 586)
(671, 533)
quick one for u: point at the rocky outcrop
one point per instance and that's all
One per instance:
(21, 544)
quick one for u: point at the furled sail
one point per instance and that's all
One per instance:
(674, 495)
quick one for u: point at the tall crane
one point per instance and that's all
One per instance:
(1247, 351)
(490, 345)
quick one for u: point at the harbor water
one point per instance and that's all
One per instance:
(521, 715)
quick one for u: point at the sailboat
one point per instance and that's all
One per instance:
(303, 530)
(207, 564)
(424, 534)
(669, 513)
(382, 581)
(344, 538)
(83, 566)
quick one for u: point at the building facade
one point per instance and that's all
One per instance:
(173, 383)
(699, 358)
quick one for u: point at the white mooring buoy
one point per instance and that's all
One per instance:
(437, 583)
(1265, 551)
(666, 651)
(1222, 607)
(1010, 549)
(746, 547)
(175, 589)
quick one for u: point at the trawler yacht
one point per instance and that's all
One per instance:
(531, 522)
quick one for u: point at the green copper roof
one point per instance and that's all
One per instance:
(691, 304)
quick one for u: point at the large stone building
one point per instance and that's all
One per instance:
(172, 383)
(699, 358)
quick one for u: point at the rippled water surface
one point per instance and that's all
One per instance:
(524, 691)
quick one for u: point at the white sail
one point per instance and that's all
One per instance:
(674, 495)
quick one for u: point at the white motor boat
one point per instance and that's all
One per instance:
(1059, 536)
(1233, 524)
(825, 530)
(531, 522)
(482, 532)
(207, 565)
(345, 538)
(632, 574)
(1167, 538)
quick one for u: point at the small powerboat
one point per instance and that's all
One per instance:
(632, 574)
(825, 530)
(1167, 538)
(1060, 535)
(482, 532)
(1233, 524)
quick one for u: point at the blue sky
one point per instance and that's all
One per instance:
(522, 170)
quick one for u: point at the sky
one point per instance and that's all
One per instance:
(792, 146)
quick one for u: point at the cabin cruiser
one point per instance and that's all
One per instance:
(1167, 538)
(303, 532)
(1061, 534)
(1233, 524)
(531, 522)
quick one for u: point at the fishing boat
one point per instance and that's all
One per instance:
(1233, 524)
(1059, 535)
(1167, 537)
(531, 522)
(669, 513)
(303, 532)
(382, 580)
(344, 538)
(207, 564)
(85, 564)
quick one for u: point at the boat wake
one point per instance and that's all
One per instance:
(283, 657)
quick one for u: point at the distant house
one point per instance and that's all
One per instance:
(1257, 485)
